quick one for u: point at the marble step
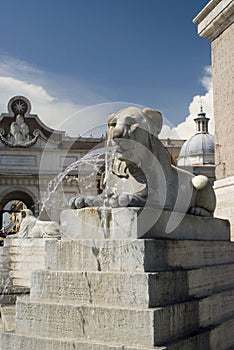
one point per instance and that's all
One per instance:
(133, 326)
(136, 255)
(207, 339)
(152, 326)
(130, 288)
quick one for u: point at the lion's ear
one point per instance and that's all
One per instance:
(155, 119)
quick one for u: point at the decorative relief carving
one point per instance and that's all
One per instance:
(18, 135)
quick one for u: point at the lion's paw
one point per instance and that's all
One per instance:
(199, 211)
(77, 202)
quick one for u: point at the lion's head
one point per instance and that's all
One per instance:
(133, 123)
(133, 131)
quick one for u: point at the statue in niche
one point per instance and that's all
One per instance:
(19, 130)
(139, 171)
(19, 134)
(31, 227)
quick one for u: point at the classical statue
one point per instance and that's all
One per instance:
(139, 172)
(18, 135)
(19, 129)
(31, 227)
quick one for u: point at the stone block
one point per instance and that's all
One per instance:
(136, 255)
(131, 288)
(21, 256)
(129, 326)
(111, 288)
(201, 341)
(222, 336)
(215, 308)
(8, 318)
(133, 223)
(12, 341)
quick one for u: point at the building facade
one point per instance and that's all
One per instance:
(39, 166)
(216, 23)
(31, 156)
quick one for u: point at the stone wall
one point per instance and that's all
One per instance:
(216, 23)
(223, 86)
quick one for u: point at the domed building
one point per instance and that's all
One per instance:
(198, 153)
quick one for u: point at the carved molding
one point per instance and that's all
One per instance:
(216, 16)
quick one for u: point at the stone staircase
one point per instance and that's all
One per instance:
(129, 294)
(109, 295)
(18, 258)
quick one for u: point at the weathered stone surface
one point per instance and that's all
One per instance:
(132, 223)
(216, 308)
(21, 256)
(99, 223)
(9, 293)
(130, 288)
(222, 336)
(224, 190)
(212, 339)
(136, 255)
(129, 326)
(8, 318)
(136, 294)
(10, 341)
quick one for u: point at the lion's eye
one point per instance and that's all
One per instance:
(113, 124)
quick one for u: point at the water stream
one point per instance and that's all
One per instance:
(86, 169)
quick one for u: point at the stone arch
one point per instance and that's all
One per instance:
(23, 195)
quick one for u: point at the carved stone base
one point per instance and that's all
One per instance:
(132, 223)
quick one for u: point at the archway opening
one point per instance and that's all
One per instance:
(11, 205)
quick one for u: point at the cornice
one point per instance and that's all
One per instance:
(216, 16)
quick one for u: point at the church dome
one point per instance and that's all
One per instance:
(198, 144)
(199, 149)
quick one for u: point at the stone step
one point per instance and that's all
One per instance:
(9, 341)
(9, 293)
(130, 288)
(220, 337)
(25, 242)
(18, 250)
(133, 326)
(152, 326)
(136, 255)
(4, 275)
(8, 317)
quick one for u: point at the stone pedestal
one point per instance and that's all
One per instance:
(132, 223)
(128, 293)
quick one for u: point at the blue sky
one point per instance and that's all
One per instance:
(83, 52)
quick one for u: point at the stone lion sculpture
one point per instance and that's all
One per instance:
(31, 227)
(139, 172)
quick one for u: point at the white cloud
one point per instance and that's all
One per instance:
(188, 128)
(52, 98)
(53, 105)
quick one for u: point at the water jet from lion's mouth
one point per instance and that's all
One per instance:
(95, 159)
